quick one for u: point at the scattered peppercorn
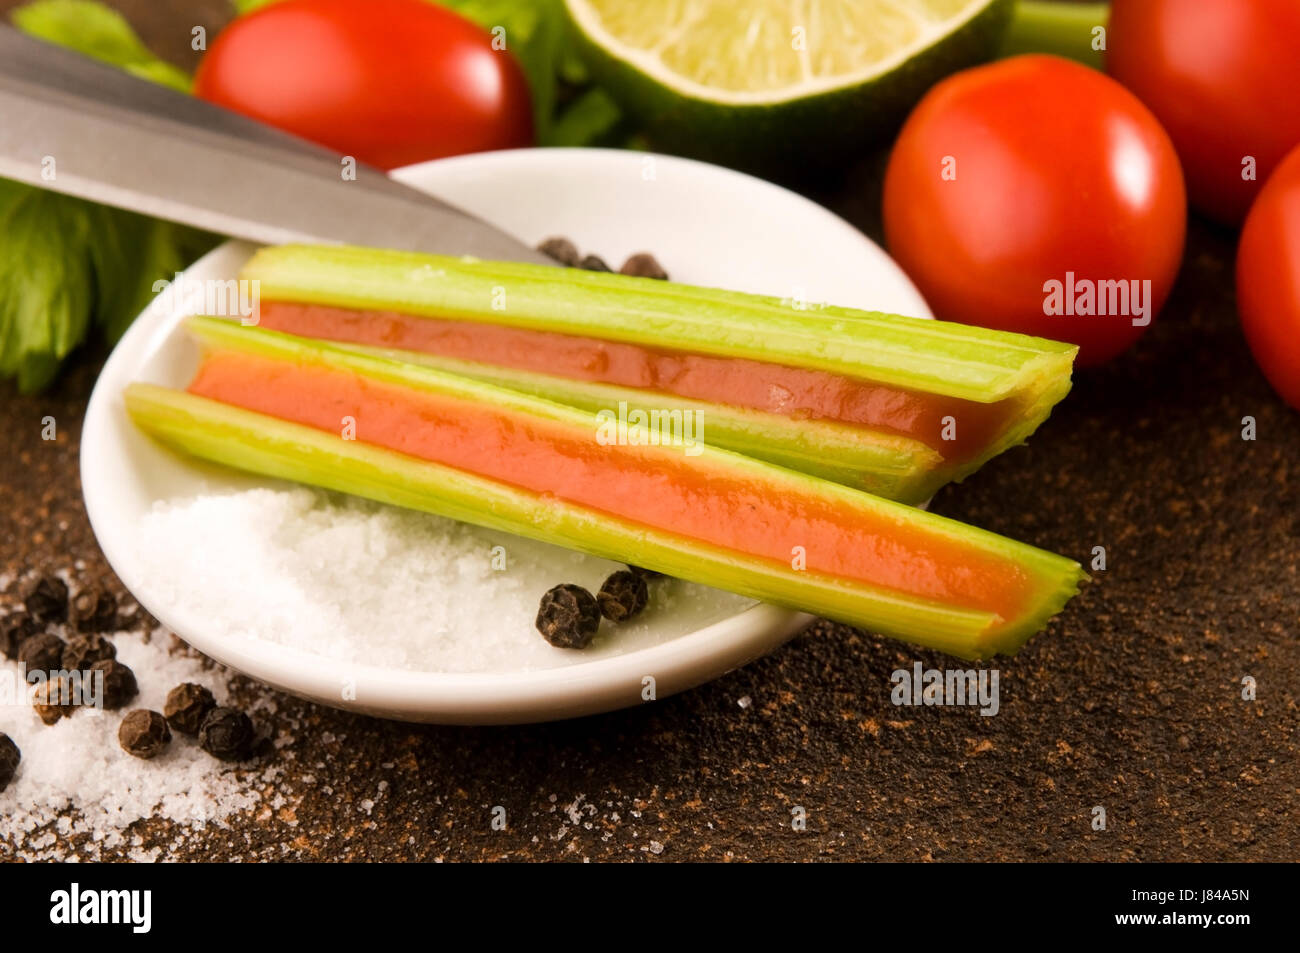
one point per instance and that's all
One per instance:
(649, 575)
(623, 596)
(119, 683)
(226, 733)
(143, 733)
(593, 263)
(52, 699)
(561, 249)
(644, 265)
(9, 758)
(186, 706)
(47, 599)
(94, 610)
(83, 651)
(15, 629)
(568, 617)
(42, 652)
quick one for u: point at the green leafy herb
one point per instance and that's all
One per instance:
(95, 30)
(130, 256)
(65, 264)
(536, 32)
(590, 119)
(47, 286)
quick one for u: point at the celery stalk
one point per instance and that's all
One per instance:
(944, 360)
(952, 360)
(266, 445)
(897, 468)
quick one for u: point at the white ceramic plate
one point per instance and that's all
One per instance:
(708, 226)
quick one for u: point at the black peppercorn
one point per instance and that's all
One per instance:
(42, 652)
(83, 651)
(561, 249)
(94, 610)
(643, 265)
(186, 706)
(119, 682)
(52, 699)
(16, 628)
(568, 617)
(649, 575)
(226, 733)
(593, 263)
(143, 733)
(623, 596)
(47, 599)
(9, 758)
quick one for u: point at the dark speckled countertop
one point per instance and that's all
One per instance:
(1132, 700)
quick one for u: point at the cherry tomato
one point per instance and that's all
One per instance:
(1222, 76)
(1268, 279)
(389, 82)
(1037, 195)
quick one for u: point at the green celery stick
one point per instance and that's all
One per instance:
(263, 444)
(897, 468)
(937, 358)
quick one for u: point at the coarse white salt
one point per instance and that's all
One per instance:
(365, 583)
(74, 778)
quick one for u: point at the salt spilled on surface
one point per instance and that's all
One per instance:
(74, 778)
(365, 583)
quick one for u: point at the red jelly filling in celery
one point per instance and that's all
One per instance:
(736, 382)
(650, 486)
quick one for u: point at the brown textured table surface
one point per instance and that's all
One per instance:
(1131, 701)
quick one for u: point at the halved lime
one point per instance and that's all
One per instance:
(751, 81)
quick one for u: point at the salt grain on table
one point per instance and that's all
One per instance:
(74, 779)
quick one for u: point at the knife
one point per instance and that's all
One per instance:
(77, 126)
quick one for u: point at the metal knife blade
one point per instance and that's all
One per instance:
(76, 126)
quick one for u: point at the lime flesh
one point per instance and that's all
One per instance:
(760, 80)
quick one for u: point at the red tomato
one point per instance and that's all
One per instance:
(1268, 279)
(1037, 195)
(388, 81)
(1223, 77)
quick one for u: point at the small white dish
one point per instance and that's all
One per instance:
(707, 225)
